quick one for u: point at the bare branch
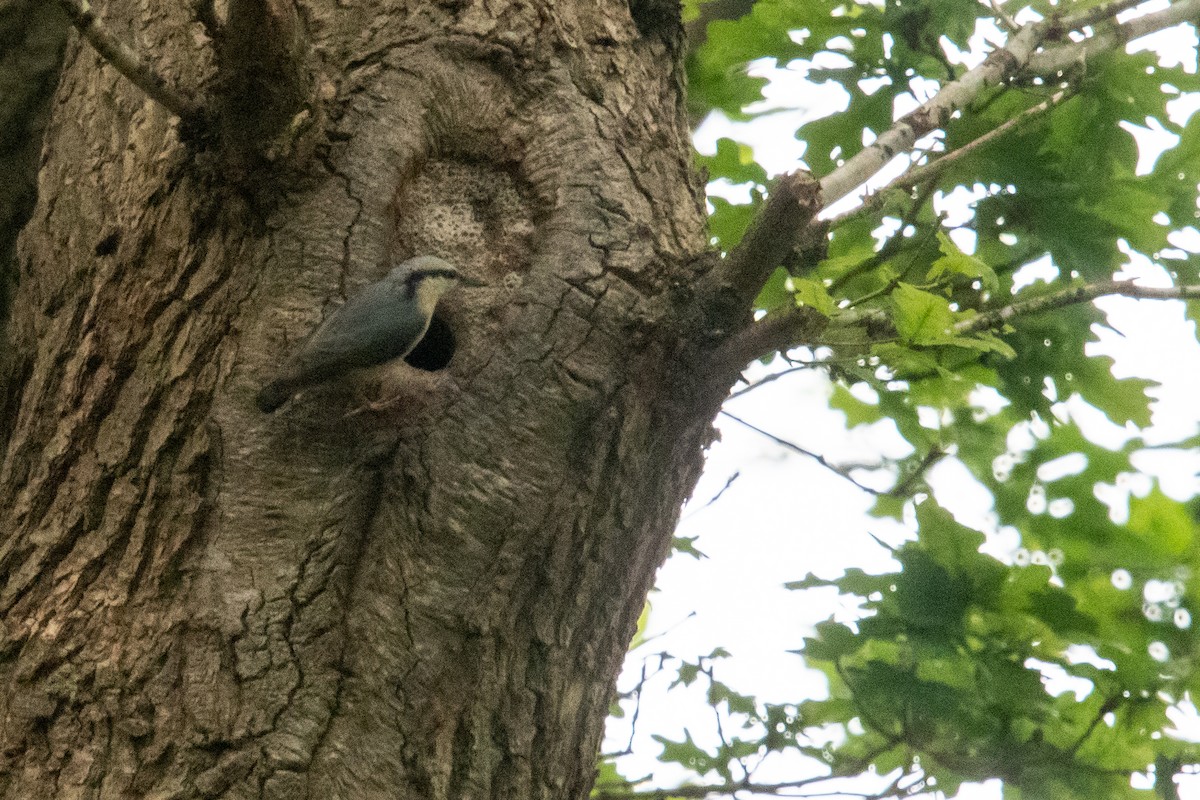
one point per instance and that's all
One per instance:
(774, 376)
(771, 334)
(796, 199)
(934, 113)
(125, 61)
(1068, 297)
(841, 471)
(925, 173)
(1054, 60)
(698, 792)
(905, 486)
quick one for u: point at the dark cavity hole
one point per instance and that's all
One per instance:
(108, 245)
(435, 349)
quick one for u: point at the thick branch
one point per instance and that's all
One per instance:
(125, 61)
(761, 338)
(1054, 60)
(795, 201)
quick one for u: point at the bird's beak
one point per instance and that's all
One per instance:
(467, 280)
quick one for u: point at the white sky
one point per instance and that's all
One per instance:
(785, 515)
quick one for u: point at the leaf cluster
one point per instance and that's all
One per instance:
(956, 668)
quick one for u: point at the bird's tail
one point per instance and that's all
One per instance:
(273, 395)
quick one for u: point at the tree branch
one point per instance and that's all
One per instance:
(126, 62)
(1067, 297)
(1007, 21)
(698, 792)
(263, 86)
(770, 334)
(842, 471)
(916, 176)
(1054, 60)
(761, 339)
(1099, 14)
(796, 199)
(934, 113)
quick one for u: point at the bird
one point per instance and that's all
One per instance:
(381, 323)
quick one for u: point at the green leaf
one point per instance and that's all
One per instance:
(687, 546)
(921, 317)
(688, 754)
(814, 295)
(733, 161)
(857, 412)
(956, 262)
(1162, 524)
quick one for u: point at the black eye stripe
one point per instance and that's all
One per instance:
(433, 272)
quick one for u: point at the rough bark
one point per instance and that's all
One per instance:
(430, 601)
(32, 35)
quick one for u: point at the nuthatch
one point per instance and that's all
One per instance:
(382, 323)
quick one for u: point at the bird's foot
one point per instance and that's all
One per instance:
(375, 406)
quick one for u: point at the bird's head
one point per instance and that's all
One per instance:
(426, 278)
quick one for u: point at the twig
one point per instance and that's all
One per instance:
(989, 320)
(698, 792)
(902, 488)
(637, 710)
(891, 245)
(1003, 16)
(125, 61)
(728, 483)
(879, 323)
(690, 792)
(842, 472)
(774, 376)
(1054, 60)
(1109, 704)
(1093, 16)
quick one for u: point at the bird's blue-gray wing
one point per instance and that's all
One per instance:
(374, 326)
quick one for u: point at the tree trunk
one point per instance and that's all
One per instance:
(426, 600)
